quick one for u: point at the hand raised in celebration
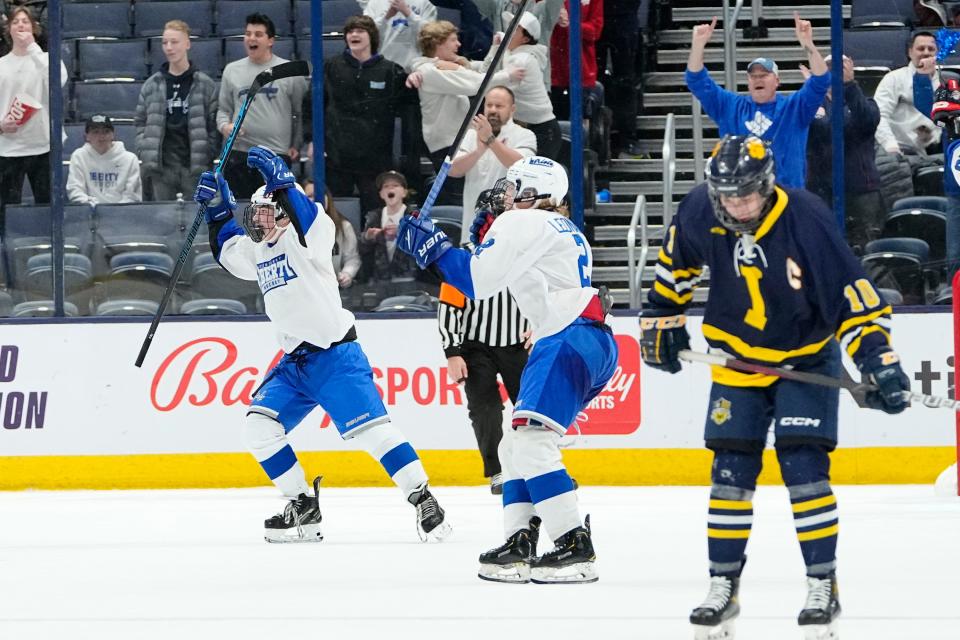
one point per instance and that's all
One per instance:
(703, 32)
(803, 29)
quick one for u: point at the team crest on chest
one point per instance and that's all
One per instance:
(275, 272)
(720, 411)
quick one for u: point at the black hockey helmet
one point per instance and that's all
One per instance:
(738, 167)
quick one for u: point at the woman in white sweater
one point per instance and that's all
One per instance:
(446, 81)
(25, 111)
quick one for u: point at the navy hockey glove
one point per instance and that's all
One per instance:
(661, 339)
(423, 240)
(481, 223)
(213, 191)
(274, 170)
(883, 369)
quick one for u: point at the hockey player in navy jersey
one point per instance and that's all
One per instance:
(785, 290)
(546, 262)
(285, 242)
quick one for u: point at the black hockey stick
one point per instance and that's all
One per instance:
(858, 390)
(474, 104)
(285, 70)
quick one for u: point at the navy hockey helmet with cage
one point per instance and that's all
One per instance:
(738, 167)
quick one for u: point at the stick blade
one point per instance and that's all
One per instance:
(291, 69)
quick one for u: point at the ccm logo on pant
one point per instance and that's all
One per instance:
(799, 422)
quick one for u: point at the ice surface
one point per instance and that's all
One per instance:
(192, 564)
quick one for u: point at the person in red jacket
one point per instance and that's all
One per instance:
(591, 24)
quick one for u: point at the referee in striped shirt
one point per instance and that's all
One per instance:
(482, 338)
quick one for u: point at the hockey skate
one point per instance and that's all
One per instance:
(571, 561)
(431, 521)
(510, 562)
(496, 484)
(818, 620)
(715, 618)
(300, 520)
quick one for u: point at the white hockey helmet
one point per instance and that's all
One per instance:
(537, 178)
(261, 216)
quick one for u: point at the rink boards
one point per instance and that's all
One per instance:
(76, 413)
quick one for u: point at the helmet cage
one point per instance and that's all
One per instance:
(253, 219)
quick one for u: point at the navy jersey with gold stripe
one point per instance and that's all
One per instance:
(778, 296)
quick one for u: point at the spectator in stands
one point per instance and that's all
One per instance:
(24, 111)
(365, 93)
(784, 121)
(929, 13)
(501, 12)
(617, 50)
(493, 143)
(533, 106)
(102, 171)
(591, 24)
(176, 120)
(905, 125)
(446, 83)
(863, 202)
(382, 262)
(399, 23)
(273, 120)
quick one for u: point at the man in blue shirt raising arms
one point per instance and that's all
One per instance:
(783, 121)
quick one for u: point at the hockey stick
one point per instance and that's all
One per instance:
(284, 70)
(474, 104)
(858, 390)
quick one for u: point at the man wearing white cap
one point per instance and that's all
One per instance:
(782, 120)
(501, 12)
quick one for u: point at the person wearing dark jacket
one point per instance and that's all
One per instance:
(617, 50)
(365, 93)
(864, 206)
(176, 120)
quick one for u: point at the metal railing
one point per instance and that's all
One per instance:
(669, 167)
(697, 124)
(635, 267)
(730, 17)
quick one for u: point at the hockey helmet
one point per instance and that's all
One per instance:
(262, 215)
(739, 167)
(536, 178)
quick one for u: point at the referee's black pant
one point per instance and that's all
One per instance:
(483, 394)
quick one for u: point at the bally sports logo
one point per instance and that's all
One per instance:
(209, 371)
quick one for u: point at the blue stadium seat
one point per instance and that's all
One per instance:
(37, 279)
(881, 13)
(120, 59)
(149, 17)
(142, 275)
(213, 307)
(42, 309)
(335, 14)
(27, 233)
(75, 138)
(935, 203)
(349, 208)
(928, 225)
(418, 301)
(6, 304)
(890, 296)
(127, 307)
(141, 227)
(96, 20)
(232, 15)
(206, 55)
(332, 46)
(234, 49)
(68, 54)
(898, 263)
(881, 48)
(450, 15)
(447, 212)
(115, 99)
(209, 280)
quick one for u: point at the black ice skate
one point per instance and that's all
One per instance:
(299, 522)
(431, 522)
(715, 618)
(818, 620)
(510, 562)
(571, 561)
(496, 484)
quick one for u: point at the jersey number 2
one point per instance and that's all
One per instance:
(584, 261)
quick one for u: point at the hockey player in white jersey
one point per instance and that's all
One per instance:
(545, 261)
(285, 242)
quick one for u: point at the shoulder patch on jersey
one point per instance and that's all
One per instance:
(720, 411)
(275, 272)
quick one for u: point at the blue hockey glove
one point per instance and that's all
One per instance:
(420, 238)
(883, 369)
(481, 224)
(274, 170)
(661, 339)
(213, 191)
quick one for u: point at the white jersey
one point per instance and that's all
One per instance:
(299, 285)
(545, 261)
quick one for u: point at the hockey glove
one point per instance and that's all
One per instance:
(272, 167)
(661, 339)
(420, 238)
(481, 223)
(213, 191)
(883, 369)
